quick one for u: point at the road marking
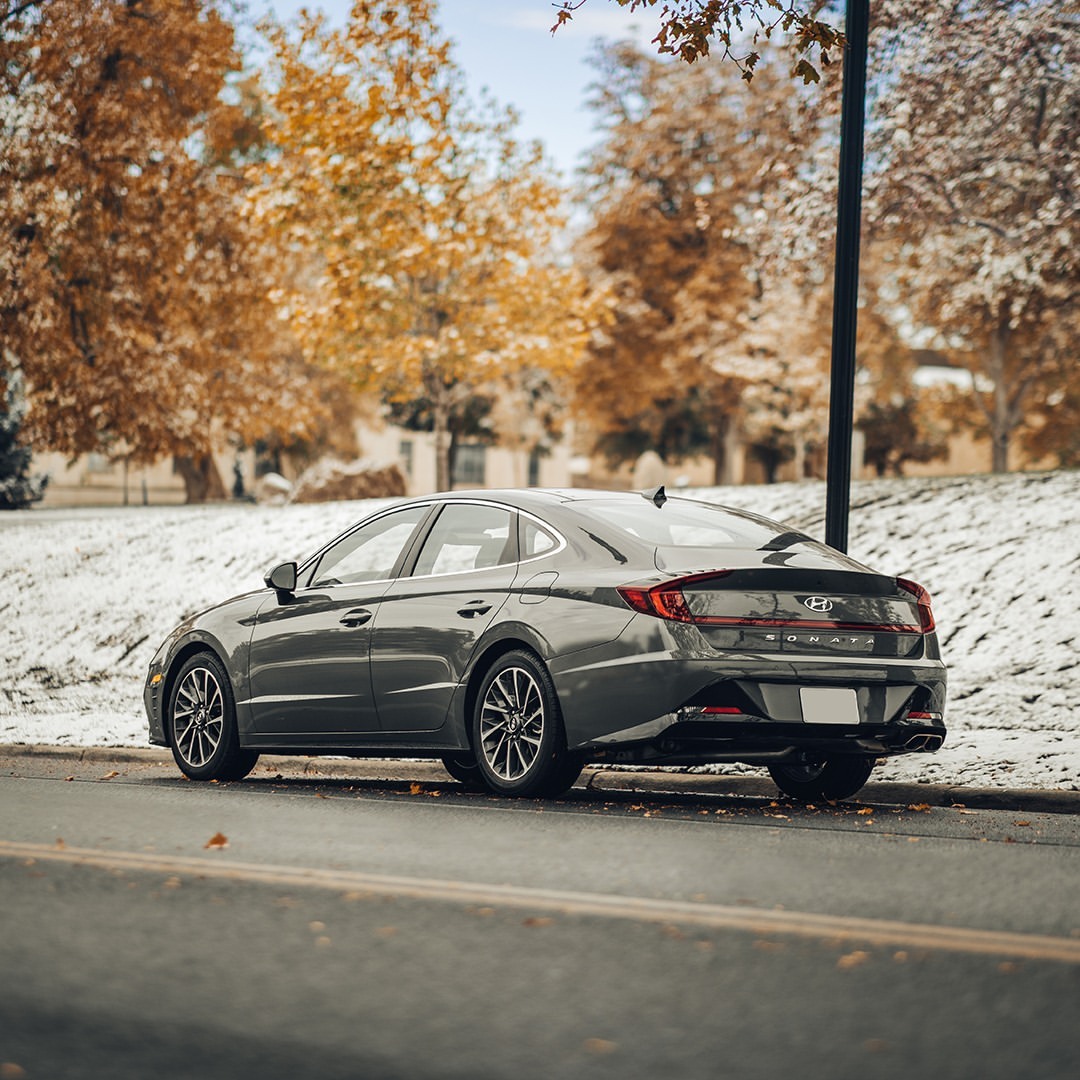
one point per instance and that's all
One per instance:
(834, 928)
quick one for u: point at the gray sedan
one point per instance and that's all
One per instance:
(518, 635)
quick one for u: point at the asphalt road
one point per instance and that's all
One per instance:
(356, 928)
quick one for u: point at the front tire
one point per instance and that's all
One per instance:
(517, 729)
(202, 723)
(823, 779)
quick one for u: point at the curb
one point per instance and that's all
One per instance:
(604, 780)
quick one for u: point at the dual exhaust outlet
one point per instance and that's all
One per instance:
(924, 743)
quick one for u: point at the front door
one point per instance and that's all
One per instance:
(310, 650)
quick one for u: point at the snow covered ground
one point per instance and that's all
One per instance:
(87, 595)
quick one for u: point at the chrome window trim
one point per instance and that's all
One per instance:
(560, 543)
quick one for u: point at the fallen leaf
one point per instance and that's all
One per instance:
(10, 1071)
(866, 810)
(110, 775)
(599, 1046)
(769, 946)
(920, 807)
(172, 883)
(537, 920)
(322, 942)
(961, 810)
(900, 956)
(387, 931)
(316, 927)
(1007, 967)
(60, 842)
(217, 841)
(852, 959)
(415, 789)
(69, 778)
(1023, 824)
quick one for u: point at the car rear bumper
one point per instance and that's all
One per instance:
(677, 706)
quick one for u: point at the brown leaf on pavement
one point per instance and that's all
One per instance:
(537, 920)
(217, 842)
(852, 959)
(865, 811)
(599, 1046)
(415, 789)
(60, 842)
(920, 807)
(110, 775)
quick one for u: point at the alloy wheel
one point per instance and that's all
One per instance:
(512, 723)
(198, 716)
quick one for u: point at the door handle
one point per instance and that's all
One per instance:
(356, 617)
(474, 607)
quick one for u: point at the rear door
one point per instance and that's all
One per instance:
(428, 624)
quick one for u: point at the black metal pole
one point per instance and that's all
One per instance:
(846, 275)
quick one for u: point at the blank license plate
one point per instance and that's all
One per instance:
(828, 705)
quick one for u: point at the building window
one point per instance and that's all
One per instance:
(405, 452)
(469, 459)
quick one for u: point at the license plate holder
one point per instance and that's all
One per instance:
(829, 705)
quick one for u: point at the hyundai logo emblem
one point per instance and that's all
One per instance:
(820, 604)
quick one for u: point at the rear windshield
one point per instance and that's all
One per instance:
(680, 523)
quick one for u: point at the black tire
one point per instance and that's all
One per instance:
(825, 779)
(463, 768)
(563, 775)
(517, 729)
(201, 722)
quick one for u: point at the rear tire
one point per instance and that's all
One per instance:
(824, 779)
(463, 768)
(202, 723)
(517, 729)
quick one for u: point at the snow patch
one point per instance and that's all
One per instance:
(87, 595)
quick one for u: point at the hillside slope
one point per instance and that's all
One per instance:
(87, 595)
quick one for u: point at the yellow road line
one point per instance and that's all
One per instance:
(841, 929)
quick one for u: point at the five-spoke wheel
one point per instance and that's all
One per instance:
(202, 722)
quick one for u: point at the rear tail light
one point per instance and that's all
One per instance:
(922, 598)
(666, 600)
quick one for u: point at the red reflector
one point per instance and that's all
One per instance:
(924, 716)
(727, 710)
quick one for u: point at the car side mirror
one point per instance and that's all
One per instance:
(282, 577)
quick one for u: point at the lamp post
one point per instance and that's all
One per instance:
(846, 276)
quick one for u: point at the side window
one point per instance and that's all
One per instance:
(535, 540)
(467, 537)
(368, 553)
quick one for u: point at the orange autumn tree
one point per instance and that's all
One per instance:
(429, 228)
(134, 291)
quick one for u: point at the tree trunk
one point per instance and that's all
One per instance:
(202, 481)
(1001, 420)
(440, 412)
(719, 450)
